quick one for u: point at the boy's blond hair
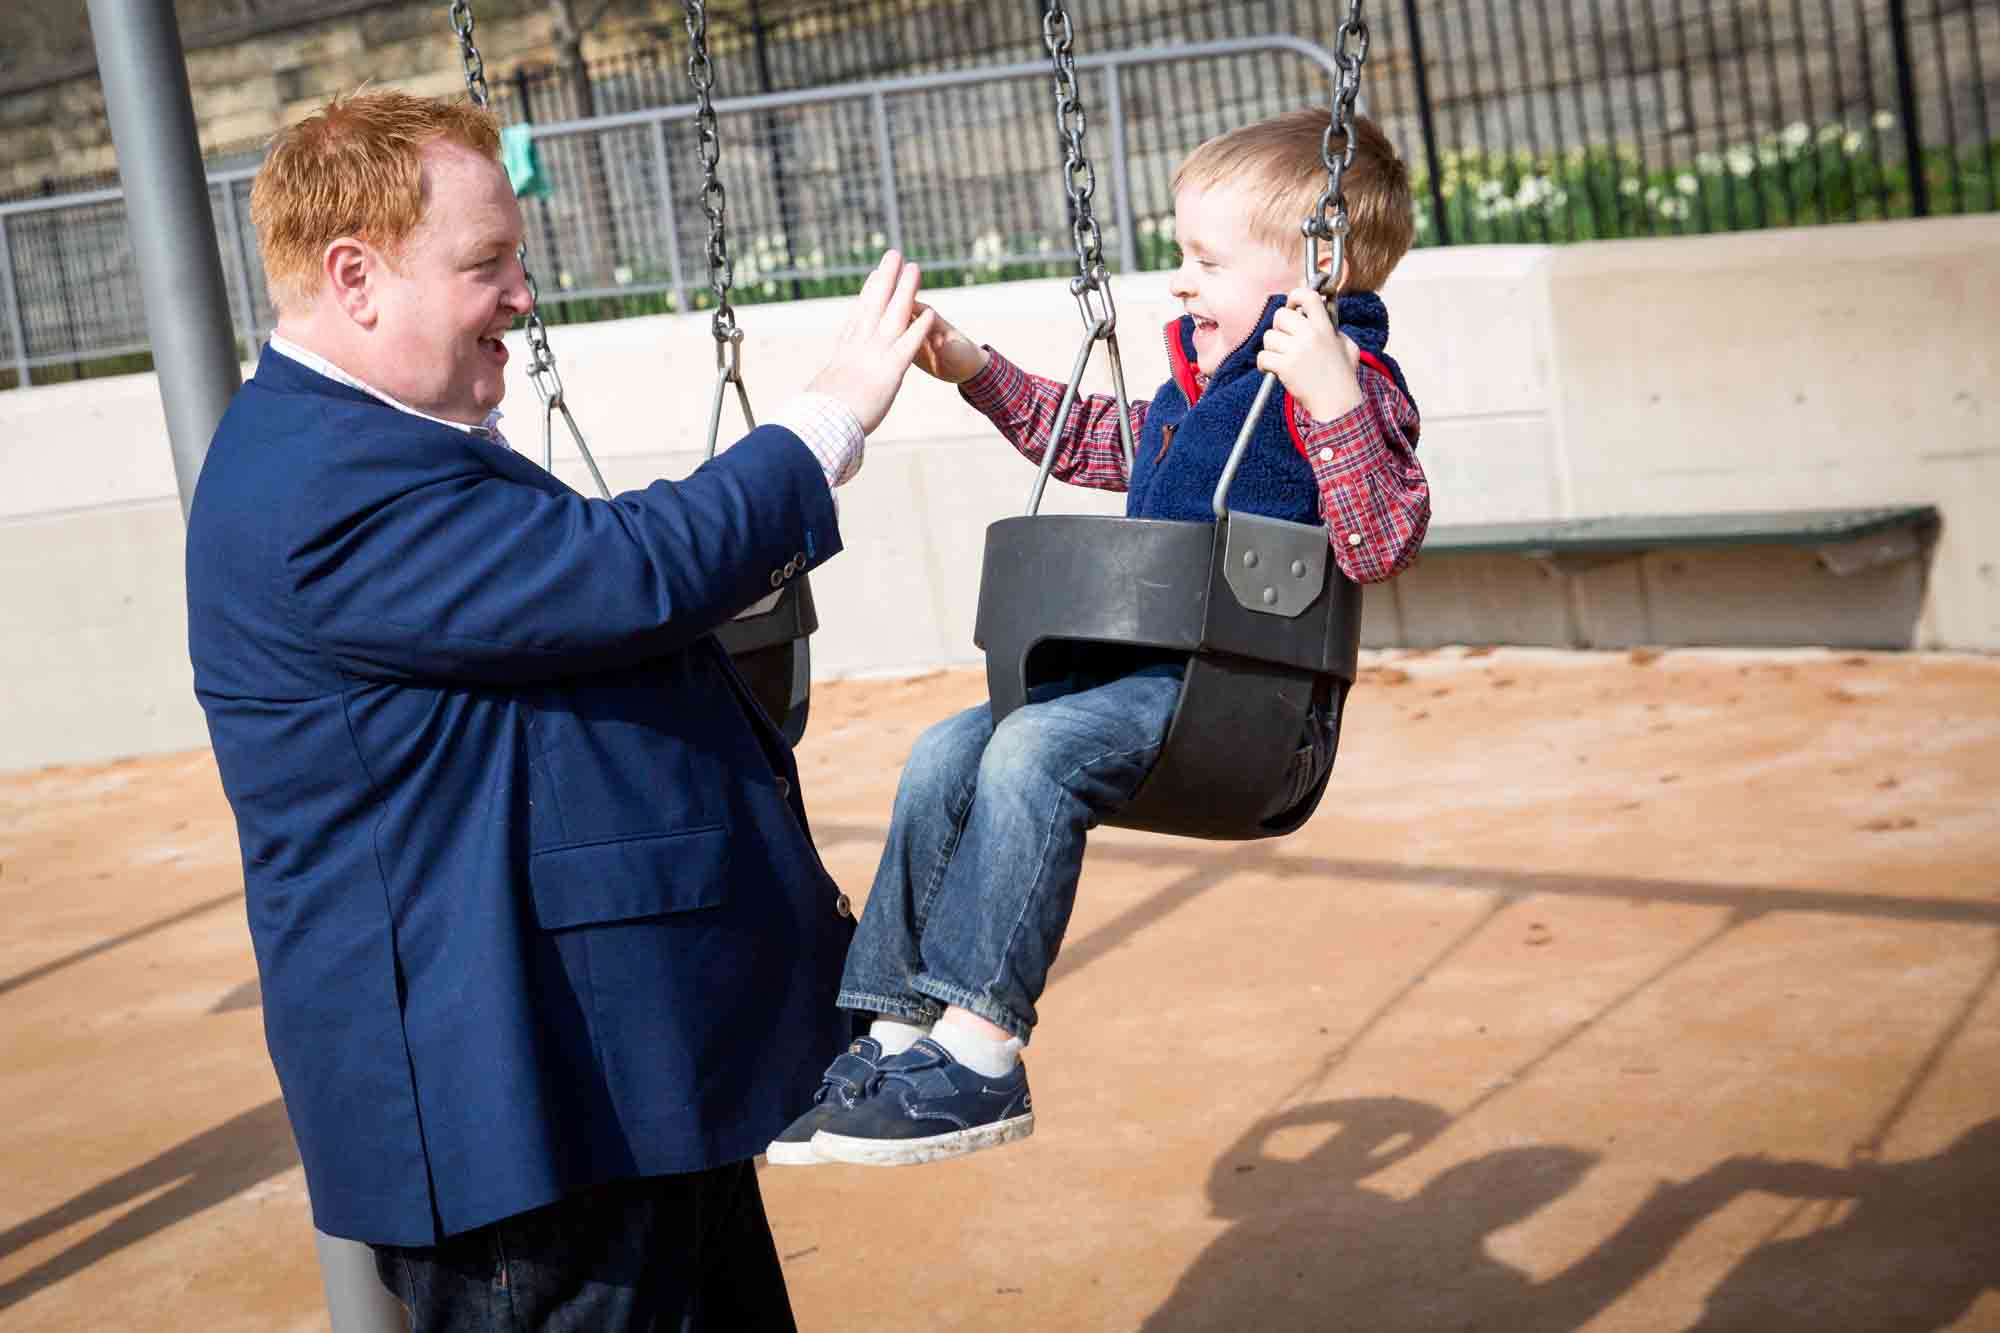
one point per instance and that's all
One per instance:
(352, 168)
(1278, 161)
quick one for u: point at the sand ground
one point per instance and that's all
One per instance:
(1605, 992)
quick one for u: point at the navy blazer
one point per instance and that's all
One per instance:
(533, 897)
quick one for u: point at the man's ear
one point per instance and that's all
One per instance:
(349, 265)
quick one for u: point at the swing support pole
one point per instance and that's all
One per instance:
(167, 216)
(144, 71)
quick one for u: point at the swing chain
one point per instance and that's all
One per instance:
(1328, 220)
(542, 371)
(1092, 284)
(1092, 278)
(475, 68)
(714, 199)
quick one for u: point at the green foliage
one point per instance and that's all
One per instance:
(86, 368)
(1796, 177)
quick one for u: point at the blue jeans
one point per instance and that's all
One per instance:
(986, 842)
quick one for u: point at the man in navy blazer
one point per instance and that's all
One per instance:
(547, 953)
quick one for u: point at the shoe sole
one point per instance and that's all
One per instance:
(912, 1152)
(793, 1154)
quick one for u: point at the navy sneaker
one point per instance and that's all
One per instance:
(844, 1083)
(925, 1106)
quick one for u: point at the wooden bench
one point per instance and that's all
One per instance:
(1849, 578)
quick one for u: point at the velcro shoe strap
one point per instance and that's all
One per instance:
(850, 1072)
(927, 1081)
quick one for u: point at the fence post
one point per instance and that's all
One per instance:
(666, 172)
(11, 299)
(72, 339)
(1121, 177)
(239, 269)
(1426, 122)
(761, 43)
(891, 207)
(1906, 107)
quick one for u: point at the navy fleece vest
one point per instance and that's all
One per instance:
(1190, 428)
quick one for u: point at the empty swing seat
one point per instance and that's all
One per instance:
(771, 651)
(1269, 624)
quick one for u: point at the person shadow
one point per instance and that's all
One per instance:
(1899, 1247)
(189, 1178)
(1312, 1246)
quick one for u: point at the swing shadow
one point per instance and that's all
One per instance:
(1211, 871)
(1906, 1246)
(211, 1168)
(103, 946)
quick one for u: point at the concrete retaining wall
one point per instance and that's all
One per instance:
(1836, 366)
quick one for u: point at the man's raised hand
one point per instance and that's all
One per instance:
(884, 330)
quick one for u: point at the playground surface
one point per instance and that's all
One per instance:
(1605, 991)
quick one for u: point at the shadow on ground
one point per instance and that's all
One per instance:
(1906, 1246)
(1891, 1248)
(208, 1169)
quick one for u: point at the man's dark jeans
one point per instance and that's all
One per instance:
(666, 1254)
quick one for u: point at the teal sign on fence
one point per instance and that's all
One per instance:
(523, 163)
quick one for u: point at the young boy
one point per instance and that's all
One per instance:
(985, 844)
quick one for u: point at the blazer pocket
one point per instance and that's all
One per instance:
(627, 879)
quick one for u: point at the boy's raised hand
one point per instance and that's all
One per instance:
(1316, 362)
(885, 328)
(947, 354)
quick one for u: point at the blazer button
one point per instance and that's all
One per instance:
(777, 577)
(791, 569)
(800, 559)
(843, 908)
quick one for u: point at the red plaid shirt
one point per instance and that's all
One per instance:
(1372, 491)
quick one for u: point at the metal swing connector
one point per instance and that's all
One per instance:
(1325, 280)
(728, 370)
(1100, 315)
(1102, 329)
(548, 384)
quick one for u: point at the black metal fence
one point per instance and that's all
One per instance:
(1521, 120)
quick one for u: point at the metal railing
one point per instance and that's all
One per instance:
(638, 159)
(69, 289)
(1526, 120)
(69, 293)
(1521, 121)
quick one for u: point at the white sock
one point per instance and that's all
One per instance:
(895, 1035)
(977, 1051)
